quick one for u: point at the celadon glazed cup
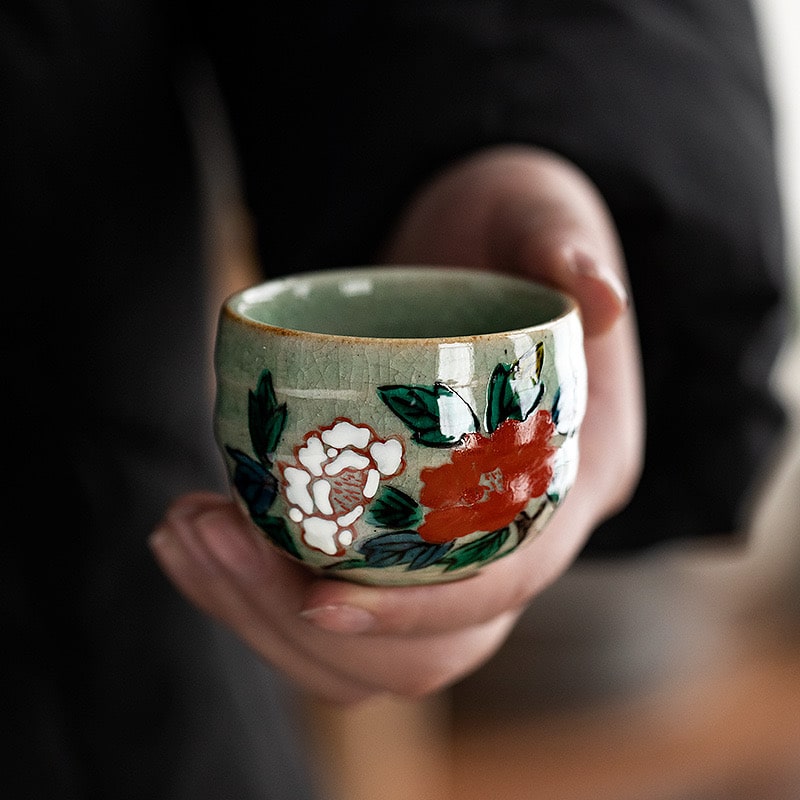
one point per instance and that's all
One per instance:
(399, 425)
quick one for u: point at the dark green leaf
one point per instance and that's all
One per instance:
(510, 396)
(556, 410)
(502, 401)
(394, 509)
(278, 533)
(403, 547)
(480, 550)
(424, 409)
(266, 419)
(256, 485)
(428, 555)
(351, 563)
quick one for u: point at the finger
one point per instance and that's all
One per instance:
(550, 222)
(416, 665)
(499, 588)
(209, 555)
(524, 210)
(566, 262)
(222, 571)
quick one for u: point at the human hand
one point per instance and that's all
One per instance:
(514, 209)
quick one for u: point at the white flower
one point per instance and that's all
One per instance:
(337, 472)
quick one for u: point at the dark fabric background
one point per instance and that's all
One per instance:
(115, 687)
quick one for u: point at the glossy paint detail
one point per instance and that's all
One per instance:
(489, 480)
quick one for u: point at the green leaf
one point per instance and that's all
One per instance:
(483, 549)
(266, 419)
(256, 485)
(396, 549)
(437, 415)
(393, 508)
(512, 396)
(351, 563)
(400, 548)
(502, 402)
(277, 532)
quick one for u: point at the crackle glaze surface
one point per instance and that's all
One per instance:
(399, 458)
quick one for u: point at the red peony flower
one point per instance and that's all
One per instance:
(489, 479)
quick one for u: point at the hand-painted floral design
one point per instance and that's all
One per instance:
(489, 479)
(472, 508)
(334, 477)
(253, 477)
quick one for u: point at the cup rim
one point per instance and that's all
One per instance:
(233, 305)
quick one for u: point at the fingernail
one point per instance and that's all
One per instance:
(340, 618)
(587, 266)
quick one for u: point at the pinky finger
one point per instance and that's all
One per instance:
(194, 570)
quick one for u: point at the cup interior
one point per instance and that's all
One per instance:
(401, 303)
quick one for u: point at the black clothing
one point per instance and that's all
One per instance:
(339, 112)
(117, 687)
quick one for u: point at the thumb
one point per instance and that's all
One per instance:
(521, 210)
(554, 228)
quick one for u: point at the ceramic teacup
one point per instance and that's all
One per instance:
(399, 425)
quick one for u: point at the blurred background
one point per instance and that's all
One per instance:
(673, 675)
(669, 676)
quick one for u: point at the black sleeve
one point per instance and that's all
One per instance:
(340, 114)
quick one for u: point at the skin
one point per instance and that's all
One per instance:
(515, 209)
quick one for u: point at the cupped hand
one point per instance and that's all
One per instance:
(514, 209)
